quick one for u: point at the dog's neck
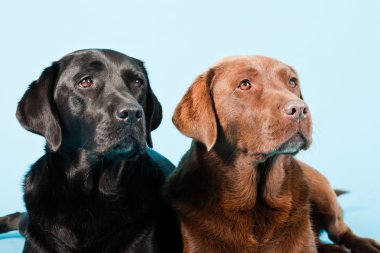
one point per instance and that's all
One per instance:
(83, 171)
(243, 180)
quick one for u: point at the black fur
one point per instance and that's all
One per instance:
(97, 188)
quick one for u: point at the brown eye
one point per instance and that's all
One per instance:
(139, 82)
(293, 82)
(245, 85)
(86, 82)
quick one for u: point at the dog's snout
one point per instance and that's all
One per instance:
(129, 114)
(297, 110)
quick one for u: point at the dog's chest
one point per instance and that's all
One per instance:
(97, 227)
(281, 212)
(267, 230)
(277, 219)
(102, 218)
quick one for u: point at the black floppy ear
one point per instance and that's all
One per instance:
(36, 110)
(195, 116)
(153, 114)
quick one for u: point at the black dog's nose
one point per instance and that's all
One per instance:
(296, 109)
(129, 114)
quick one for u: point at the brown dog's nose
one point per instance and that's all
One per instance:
(296, 109)
(129, 114)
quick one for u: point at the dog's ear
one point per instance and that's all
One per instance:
(36, 111)
(152, 109)
(195, 115)
(153, 114)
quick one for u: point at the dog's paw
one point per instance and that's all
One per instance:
(332, 248)
(365, 245)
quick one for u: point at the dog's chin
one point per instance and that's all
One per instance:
(128, 149)
(293, 145)
(125, 153)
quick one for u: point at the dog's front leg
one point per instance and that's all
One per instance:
(327, 215)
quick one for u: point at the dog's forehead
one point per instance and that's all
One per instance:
(257, 64)
(101, 58)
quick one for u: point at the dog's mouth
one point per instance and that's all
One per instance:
(127, 148)
(291, 146)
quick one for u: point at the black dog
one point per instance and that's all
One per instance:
(97, 188)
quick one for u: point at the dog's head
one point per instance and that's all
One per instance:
(253, 103)
(97, 100)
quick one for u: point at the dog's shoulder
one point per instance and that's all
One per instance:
(34, 176)
(161, 162)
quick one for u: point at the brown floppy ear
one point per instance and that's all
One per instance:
(36, 111)
(153, 114)
(195, 115)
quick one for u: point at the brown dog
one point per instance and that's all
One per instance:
(238, 188)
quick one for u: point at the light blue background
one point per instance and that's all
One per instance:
(334, 45)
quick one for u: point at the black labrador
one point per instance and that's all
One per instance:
(98, 187)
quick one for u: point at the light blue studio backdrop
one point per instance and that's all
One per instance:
(334, 45)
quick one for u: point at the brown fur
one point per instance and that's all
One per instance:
(238, 188)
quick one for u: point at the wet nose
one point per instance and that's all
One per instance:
(129, 114)
(296, 109)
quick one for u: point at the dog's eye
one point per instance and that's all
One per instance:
(245, 85)
(293, 82)
(86, 82)
(139, 82)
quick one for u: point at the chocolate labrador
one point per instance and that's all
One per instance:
(239, 188)
(98, 187)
